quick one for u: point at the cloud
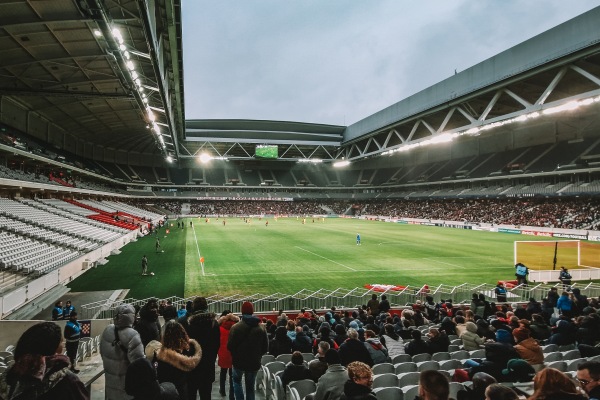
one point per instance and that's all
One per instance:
(338, 61)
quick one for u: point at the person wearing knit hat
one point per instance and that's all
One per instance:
(503, 336)
(247, 308)
(247, 343)
(40, 369)
(518, 370)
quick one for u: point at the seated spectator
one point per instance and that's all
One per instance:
(40, 369)
(470, 339)
(141, 383)
(533, 307)
(281, 343)
(433, 385)
(448, 326)
(377, 351)
(497, 355)
(587, 331)
(325, 336)
(588, 376)
(318, 366)
(539, 328)
(340, 334)
(295, 370)
(563, 333)
(498, 392)
(551, 384)
(528, 348)
(354, 350)
(359, 383)
(518, 370)
(519, 311)
(438, 341)
(291, 329)
(331, 385)
(302, 342)
(417, 345)
(484, 331)
(477, 391)
(392, 341)
(460, 325)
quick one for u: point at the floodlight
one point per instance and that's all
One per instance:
(340, 164)
(204, 158)
(97, 33)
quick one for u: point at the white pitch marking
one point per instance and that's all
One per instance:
(441, 262)
(325, 258)
(198, 248)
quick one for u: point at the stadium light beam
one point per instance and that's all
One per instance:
(340, 164)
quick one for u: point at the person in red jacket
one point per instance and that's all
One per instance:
(226, 321)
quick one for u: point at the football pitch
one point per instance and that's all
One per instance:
(287, 256)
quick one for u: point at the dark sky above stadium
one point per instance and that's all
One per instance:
(338, 61)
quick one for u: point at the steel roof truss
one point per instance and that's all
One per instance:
(512, 94)
(548, 91)
(586, 74)
(490, 105)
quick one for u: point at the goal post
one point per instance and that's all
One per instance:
(540, 255)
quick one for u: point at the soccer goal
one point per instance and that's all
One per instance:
(570, 253)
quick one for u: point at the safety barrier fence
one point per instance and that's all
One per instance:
(324, 299)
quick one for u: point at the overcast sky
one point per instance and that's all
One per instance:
(338, 61)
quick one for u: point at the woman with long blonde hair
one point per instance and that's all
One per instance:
(551, 384)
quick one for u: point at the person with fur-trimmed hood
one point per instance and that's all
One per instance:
(202, 326)
(175, 356)
(120, 345)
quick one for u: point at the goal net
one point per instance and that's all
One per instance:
(569, 253)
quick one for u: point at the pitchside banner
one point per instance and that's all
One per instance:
(505, 230)
(537, 233)
(456, 226)
(570, 236)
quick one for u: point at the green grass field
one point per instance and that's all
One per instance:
(288, 256)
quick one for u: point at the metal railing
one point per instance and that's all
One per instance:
(323, 299)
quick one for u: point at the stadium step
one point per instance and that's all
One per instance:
(36, 306)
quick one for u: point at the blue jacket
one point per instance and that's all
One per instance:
(564, 303)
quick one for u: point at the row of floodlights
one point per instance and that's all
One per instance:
(448, 137)
(206, 158)
(137, 80)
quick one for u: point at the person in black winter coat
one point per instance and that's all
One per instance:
(358, 386)
(438, 341)
(148, 325)
(141, 383)
(202, 326)
(295, 370)
(417, 346)
(281, 344)
(340, 334)
(354, 350)
(497, 356)
(302, 342)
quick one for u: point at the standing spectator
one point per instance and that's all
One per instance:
(120, 345)
(551, 384)
(68, 309)
(433, 386)
(354, 350)
(226, 321)
(384, 305)
(373, 305)
(588, 376)
(72, 335)
(553, 296)
(176, 358)
(247, 343)
(359, 383)
(40, 371)
(142, 384)
(148, 325)
(302, 342)
(57, 311)
(202, 326)
(431, 309)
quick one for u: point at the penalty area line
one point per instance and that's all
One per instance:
(325, 258)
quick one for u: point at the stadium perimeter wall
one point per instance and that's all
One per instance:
(24, 294)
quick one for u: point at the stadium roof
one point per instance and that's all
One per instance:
(93, 76)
